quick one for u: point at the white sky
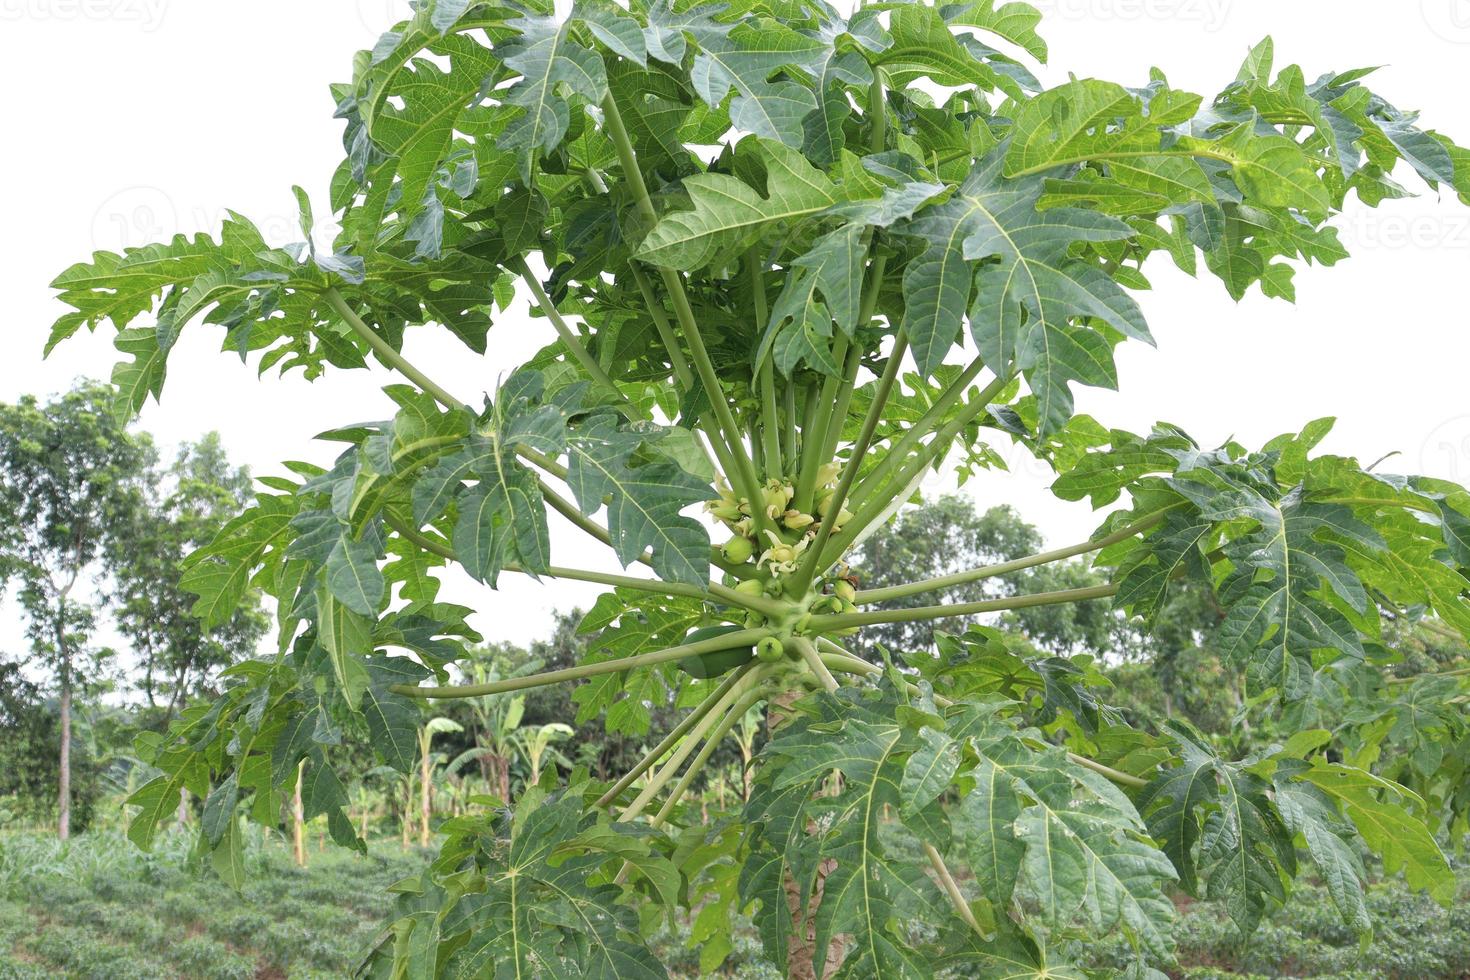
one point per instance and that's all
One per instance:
(130, 120)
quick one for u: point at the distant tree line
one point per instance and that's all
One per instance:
(93, 527)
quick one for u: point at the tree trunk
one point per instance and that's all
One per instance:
(63, 791)
(502, 777)
(485, 761)
(426, 803)
(298, 823)
(800, 956)
(801, 952)
(407, 812)
(182, 813)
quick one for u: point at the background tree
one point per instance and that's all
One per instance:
(949, 535)
(29, 734)
(72, 479)
(619, 748)
(178, 657)
(1180, 653)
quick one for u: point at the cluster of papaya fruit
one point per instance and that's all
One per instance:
(794, 529)
(786, 543)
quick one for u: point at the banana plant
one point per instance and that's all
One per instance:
(538, 743)
(427, 760)
(396, 787)
(364, 803)
(497, 718)
(455, 784)
(793, 260)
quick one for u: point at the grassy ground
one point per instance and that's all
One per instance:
(100, 910)
(1414, 939)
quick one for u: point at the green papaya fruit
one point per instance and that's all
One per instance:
(714, 664)
(770, 650)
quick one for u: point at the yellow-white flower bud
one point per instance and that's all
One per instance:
(782, 553)
(782, 556)
(796, 520)
(725, 510)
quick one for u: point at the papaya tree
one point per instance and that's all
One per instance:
(791, 261)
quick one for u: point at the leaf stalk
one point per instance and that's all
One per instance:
(744, 471)
(388, 355)
(1140, 526)
(838, 621)
(729, 641)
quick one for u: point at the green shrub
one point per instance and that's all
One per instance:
(19, 970)
(1413, 939)
(202, 957)
(86, 958)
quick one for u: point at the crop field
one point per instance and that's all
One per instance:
(100, 910)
